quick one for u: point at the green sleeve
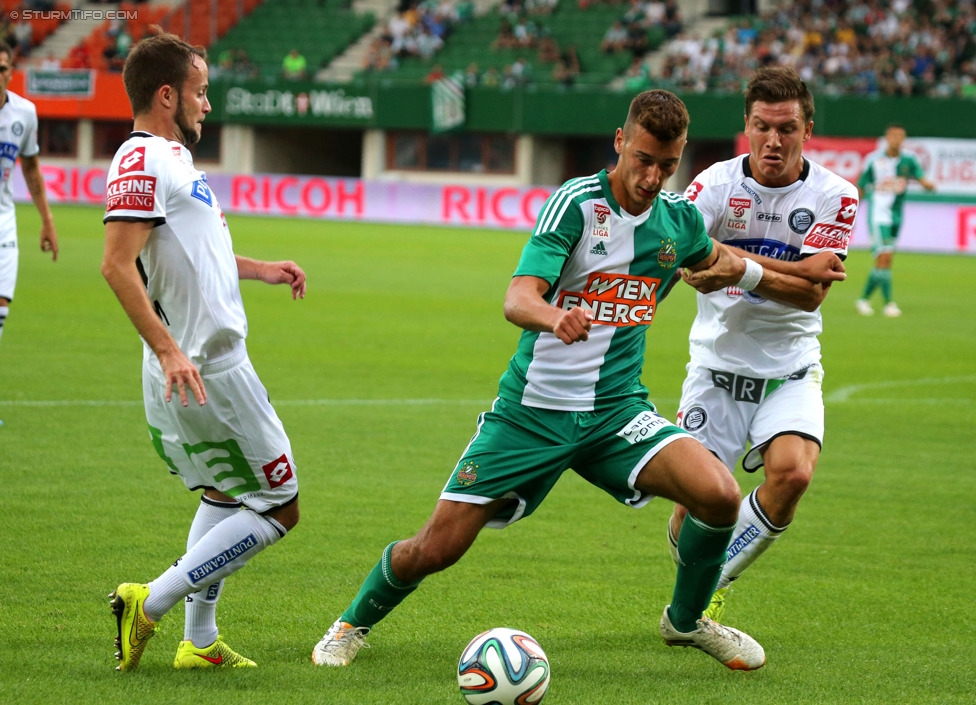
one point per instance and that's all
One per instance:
(548, 249)
(918, 172)
(701, 243)
(867, 177)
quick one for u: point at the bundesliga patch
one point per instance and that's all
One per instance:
(739, 214)
(133, 193)
(615, 299)
(601, 216)
(694, 188)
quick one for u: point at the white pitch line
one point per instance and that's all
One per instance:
(275, 402)
(844, 393)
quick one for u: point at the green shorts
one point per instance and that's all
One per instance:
(519, 452)
(883, 238)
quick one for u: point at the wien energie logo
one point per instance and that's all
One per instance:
(615, 299)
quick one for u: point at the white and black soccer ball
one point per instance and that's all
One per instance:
(503, 667)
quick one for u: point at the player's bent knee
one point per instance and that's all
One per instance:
(287, 515)
(791, 484)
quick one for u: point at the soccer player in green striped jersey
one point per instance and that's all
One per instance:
(603, 252)
(884, 183)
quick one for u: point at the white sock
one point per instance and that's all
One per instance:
(754, 534)
(200, 623)
(4, 312)
(223, 550)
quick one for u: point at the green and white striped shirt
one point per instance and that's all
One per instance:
(597, 256)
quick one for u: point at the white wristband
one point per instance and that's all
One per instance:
(753, 275)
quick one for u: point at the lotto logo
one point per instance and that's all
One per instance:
(133, 161)
(278, 471)
(694, 188)
(848, 209)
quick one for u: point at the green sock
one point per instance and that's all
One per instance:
(380, 593)
(702, 549)
(871, 285)
(884, 277)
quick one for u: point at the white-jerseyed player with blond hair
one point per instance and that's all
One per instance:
(169, 259)
(755, 374)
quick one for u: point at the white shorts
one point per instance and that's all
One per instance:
(725, 411)
(8, 269)
(234, 443)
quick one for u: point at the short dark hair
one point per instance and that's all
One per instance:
(4, 47)
(778, 84)
(160, 59)
(661, 113)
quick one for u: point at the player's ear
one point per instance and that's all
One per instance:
(166, 95)
(618, 140)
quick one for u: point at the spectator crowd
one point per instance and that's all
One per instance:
(862, 47)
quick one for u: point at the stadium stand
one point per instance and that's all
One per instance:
(24, 36)
(319, 29)
(904, 47)
(520, 47)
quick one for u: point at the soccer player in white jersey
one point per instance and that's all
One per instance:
(18, 139)
(169, 260)
(755, 374)
(884, 183)
(587, 286)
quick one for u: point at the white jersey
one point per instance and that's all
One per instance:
(741, 332)
(18, 138)
(188, 263)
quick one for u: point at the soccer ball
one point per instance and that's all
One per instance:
(503, 667)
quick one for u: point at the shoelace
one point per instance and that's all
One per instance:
(712, 627)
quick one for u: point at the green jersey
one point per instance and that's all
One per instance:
(598, 256)
(885, 182)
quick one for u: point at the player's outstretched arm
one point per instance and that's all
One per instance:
(802, 284)
(525, 307)
(31, 168)
(285, 272)
(124, 241)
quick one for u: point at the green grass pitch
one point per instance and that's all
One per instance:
(379, 375)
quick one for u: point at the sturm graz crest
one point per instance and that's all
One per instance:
(800, 220)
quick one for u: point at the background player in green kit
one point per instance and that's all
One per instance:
(588, 283)
(883, 183)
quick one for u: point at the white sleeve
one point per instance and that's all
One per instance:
(138, 183)
(707, 196)
(28, 141)
(831, 231)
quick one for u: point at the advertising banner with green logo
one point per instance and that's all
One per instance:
(61, 83)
